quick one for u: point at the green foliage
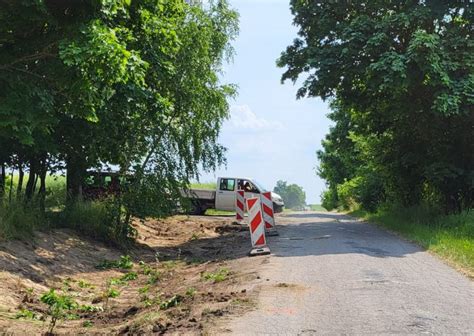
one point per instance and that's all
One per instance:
(26, 314)
(129, 276)
(171, 302)
(84, 284)
(134, 84)
(90, 309)
(125, 262)
(87, 324)
(95, 219)
(293, 195)
(59, 307)
(450, 236)
(399, 77)
(219, 276)
(191, 292)
(112, 293)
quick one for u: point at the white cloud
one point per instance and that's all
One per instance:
(242, 116)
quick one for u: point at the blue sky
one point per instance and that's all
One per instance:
(270, 136)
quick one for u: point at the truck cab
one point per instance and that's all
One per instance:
(227, 187)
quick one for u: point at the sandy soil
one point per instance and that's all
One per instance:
(197, 262)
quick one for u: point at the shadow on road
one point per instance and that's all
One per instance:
(313, 215)
(305, 234)
(337, 237)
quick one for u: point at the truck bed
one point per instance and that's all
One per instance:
(202, 194)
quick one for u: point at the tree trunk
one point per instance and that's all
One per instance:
(30, 185)
(75, 171)
(21, 174)
(42, 177)
(3, 178)
(11, 187)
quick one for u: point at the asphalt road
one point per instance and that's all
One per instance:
(330, 275)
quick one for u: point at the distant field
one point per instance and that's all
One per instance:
(204, 185)
(316, 207)
(55, 188)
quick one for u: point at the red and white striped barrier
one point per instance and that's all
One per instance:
(257, 227)
(268, 216)
(239, 206)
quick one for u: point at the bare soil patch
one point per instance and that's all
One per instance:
(186, 272)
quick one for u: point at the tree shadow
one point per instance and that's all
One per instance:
(63, 252)
(329, 215)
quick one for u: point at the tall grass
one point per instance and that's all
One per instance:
(55, 189)
(18, 220)
(91, 218)
(449, 236)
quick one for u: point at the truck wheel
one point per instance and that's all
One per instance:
(197, 209)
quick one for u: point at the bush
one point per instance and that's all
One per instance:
(366, 191)
(329, 199)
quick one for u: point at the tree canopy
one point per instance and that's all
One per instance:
(133, 84)
(400, 79)
(293, 195)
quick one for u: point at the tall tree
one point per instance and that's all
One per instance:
(130, 83)
(403, 73)
(293, 195)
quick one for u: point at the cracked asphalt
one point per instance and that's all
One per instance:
(331, 275)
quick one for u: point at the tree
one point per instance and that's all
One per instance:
(293, 195)
(401, 76)
(135, 84)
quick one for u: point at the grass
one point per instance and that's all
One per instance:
(55, 189)
(214, 212)
(449, 236)
(18, 221)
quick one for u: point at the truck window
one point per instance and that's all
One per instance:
(247, 186)
(227, 184)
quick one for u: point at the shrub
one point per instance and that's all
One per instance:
(329, 199)
(59, 307)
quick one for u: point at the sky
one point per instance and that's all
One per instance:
(270, 135)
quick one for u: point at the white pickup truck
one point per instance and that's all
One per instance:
(224, 197)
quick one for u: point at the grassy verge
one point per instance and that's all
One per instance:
(449, 236)
(213, 212)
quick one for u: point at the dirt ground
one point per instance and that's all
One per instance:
(187, 272)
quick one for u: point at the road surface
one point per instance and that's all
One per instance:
(330, 275)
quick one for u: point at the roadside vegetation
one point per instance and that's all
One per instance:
(449, 236)
(96, 85)
(399, 78)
